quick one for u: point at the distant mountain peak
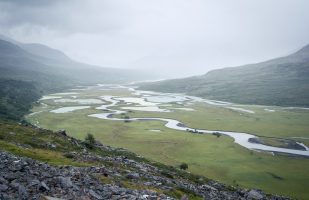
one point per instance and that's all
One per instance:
(37, 49)
(7, 47)
(8, 39)
(45, 51)
(303, 50)
(281, 81)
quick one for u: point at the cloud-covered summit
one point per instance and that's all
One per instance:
(178, 37)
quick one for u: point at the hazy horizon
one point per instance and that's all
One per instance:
(178, 38)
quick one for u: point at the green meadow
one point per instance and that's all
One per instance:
(215, 157)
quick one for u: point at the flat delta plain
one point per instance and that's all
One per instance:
(218, 158)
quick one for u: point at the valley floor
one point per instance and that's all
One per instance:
(41, 164)
(215, 157)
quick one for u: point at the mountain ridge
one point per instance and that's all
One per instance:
(39, 69)
(281, 81)
(60, 64)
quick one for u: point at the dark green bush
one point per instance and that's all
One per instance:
(183, 166)
(69, 155)
(90, 141)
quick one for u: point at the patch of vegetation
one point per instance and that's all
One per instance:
(281, 142)
(205, 154)
(68, 155)
(89, 141)
(275, 176)
(282, 81)
(105, 179)
(17, 139)
(44, 155)
(138, 186)
(218, 134)
(33, 143)
(183, 166)
(181, 192)
(167, 174)
(16, 98)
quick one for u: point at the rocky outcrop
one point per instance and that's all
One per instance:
(25, 178)
(96, 172)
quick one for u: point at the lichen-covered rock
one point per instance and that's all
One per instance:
(42, 180)
(255, 195)
(122, 178)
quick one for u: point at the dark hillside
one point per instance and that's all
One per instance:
(29, 70)
(283, 81)
(16, 98)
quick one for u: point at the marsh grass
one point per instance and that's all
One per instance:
(215, 158)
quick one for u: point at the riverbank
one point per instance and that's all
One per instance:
(218, 158)
(58, 166)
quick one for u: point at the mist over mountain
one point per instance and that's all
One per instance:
(164, 99)
(31, 70)
(24, 61)
(282, 81)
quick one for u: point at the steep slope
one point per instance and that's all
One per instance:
(23, 80)
(41, 164)
(45, 52)
(18, 64)
(44, 70)
(43, 59)
(16, 98)
(81, 72)
(282, 81)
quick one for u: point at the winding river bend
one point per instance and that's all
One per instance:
(239, 138)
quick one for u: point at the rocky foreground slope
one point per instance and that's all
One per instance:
(74, 170)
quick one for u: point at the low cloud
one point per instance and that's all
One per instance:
(176, 37)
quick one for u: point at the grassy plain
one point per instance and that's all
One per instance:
(216, 158)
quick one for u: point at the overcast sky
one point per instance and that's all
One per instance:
(177, 37)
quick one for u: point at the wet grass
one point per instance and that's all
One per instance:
(216, 158)
(282, 123)
(51, 157)
(59, 156)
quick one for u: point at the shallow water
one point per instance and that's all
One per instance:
(146, 108)
(165, 99)
(66, 93)
(151, 102)
(241, 110)
(154, 130)
(185, 109)
(50, 97)
(239, 138)
(137, 100)
(79, 101)
(269, 110)
(69, 109)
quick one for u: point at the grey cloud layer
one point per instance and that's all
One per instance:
(181, 37)
(64, 16)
